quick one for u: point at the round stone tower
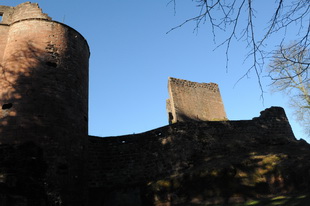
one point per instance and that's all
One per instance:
(44, 100)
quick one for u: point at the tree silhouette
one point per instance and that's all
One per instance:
(289, 73)
(228, 17)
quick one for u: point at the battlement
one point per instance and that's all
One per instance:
(210, 86)
(47, 157)
(194, 101)
(22, 11)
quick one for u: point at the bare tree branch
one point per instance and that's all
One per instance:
(225, 16)
(289, 73)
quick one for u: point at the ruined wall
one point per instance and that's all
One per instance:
(3, 39)
(44, 97)
(5, 12)
(194, 101)
(121, 166)
(28, 10)
(43, 126)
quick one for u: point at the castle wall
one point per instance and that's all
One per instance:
(194, 101)
(6, 14)
(43, 61)
(44, 97)
(27, 10)
(122, 166)
(44, 141)
(3, 39)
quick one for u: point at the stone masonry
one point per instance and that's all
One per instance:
(47, 157)
(44, 105)
(194, 101)
(122, 167)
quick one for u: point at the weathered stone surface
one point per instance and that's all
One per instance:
(44, 98)
(47, 157)
(199, 162)
(194, 101)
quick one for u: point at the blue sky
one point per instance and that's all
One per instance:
(132, 58)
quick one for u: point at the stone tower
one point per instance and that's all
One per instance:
(194, 101)
(44, 100)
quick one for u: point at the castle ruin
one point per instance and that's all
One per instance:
(44, 98)
(194, 101)
(47, 157)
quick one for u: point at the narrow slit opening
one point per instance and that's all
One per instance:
(170, 118)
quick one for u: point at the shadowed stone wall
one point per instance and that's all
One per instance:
(47, 157)
(43, 107)
(120, 167)
(194, 101)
